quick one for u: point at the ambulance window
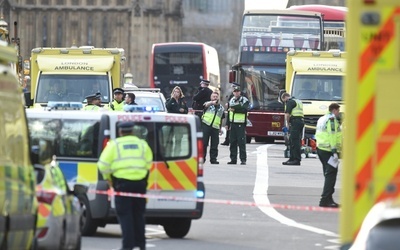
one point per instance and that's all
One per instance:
(174, 141)
(79, 138)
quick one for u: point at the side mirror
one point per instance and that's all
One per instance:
(42, 153)
(232, 76)
(280, 95)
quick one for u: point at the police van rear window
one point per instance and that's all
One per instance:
(168, 141)
(70, 138)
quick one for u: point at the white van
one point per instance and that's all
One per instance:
(176, 141)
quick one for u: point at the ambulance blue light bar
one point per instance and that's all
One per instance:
(64, 106)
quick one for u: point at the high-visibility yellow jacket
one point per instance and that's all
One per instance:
(241, 106)
(114, 105)
(91, 107)
(126, 157)
(212, 111)
(329, 134)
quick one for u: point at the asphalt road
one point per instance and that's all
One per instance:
(264, 221)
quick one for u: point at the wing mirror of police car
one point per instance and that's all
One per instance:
(42, 152)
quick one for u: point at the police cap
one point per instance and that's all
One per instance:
(235, 89)
(207, 82)
(126, 126)
(91, 97)
(235, 84)
(118, 91)
(98, 96)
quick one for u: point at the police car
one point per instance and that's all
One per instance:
(152, 98)
(177, 168)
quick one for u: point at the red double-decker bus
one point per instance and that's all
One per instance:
(266, 37)
(334, 18)
(183, 64)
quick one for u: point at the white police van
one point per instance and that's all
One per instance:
(177, 170)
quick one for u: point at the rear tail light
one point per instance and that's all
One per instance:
(42, 232)
(200, 156)
(45, 196)
(105, 141)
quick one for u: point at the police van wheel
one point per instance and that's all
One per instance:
(177, 228)
(88, 224)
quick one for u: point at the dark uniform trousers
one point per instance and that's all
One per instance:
(213, 133)
(237, 137)
(130, 212)
(330, 174)
(296, 131)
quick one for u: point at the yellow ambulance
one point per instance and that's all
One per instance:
(371, 171)
(18, 202)
(176, 141)
(315, 78)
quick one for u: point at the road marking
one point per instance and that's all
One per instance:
(260, 195)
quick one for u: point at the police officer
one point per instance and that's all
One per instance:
(202, 96)
(125, 163)
(329, 141)
(238, 107)
(118, 103)
(294, 120)
(226, 141)
(211, 125)
(93, 102)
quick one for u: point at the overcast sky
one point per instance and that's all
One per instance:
(265, 4)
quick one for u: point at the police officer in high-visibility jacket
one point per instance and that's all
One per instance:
(238, 107)
(211, 125)
(294, 119)
(125, 163)
(118, 103)
(93, 102)
(329, 142)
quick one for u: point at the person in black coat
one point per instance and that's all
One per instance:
(176, 103)
(202, 96)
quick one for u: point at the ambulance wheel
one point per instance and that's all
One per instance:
(248, 139)
(177, 228)
(88, 224)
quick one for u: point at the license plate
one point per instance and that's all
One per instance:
(275, 133)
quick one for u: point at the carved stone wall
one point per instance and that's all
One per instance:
(130, 24)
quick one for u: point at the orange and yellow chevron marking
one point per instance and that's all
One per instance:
(376, 162)
(44, 210)
(181, 175)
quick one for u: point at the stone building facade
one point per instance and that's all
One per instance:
(130, 24)
(133, 25)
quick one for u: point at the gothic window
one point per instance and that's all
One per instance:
(59, 32)
(60, 2)
(120, 2)
(104, 2)
(44, 36)
(30, 2)
(90, 30)
(45, 2)
(75, 2)
(137, 9)
(105, 32)
(90, 2)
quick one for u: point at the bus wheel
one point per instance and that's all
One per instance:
(248, 139)
(88, 224)
(177, 228)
